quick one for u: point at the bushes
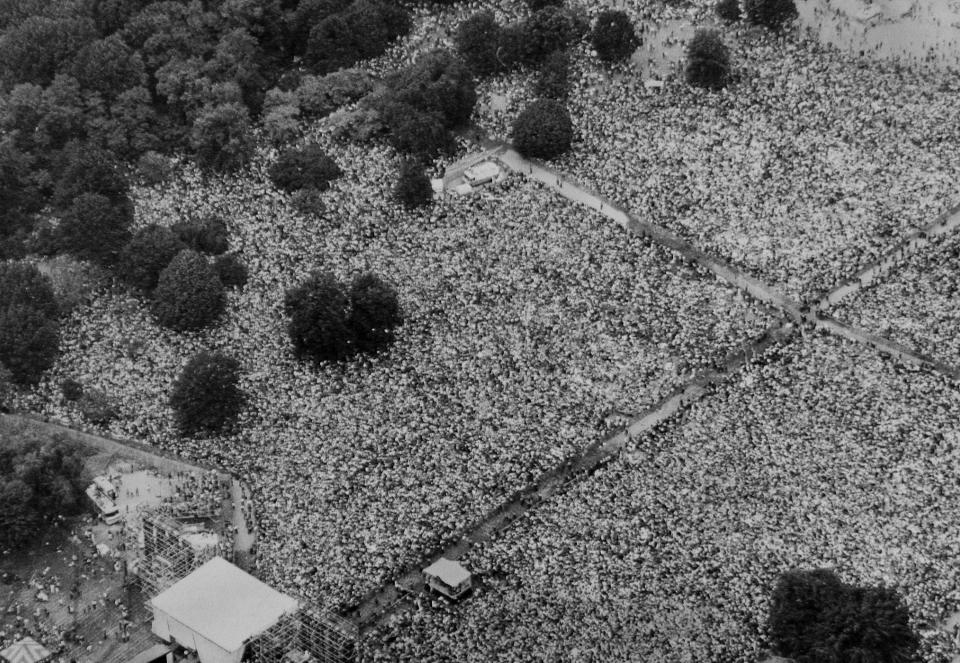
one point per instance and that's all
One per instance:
(221, 137)
(708, 60)
(147, 253)
(206, 396)
(553, 81)
(543, 130)
(815, 617)
(307, 167)
(95, 229)
(413, 187)
(728, 10)
(613, 36)
(773, 14)
(189, 294)
(329, 324)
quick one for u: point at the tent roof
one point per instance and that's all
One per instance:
(27, 650)
(224, 604)
(448, 571)
(152, 654)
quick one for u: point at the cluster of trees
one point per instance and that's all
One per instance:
(40, 479)
(331, 322)
(772, 14)
(206, 396)
(816, 618)
(29, 322)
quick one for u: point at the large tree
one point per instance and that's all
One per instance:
(708, 60)
(95, 229)
(189, 294)
(773, 14)
(306, 167)
(29, 341)
(543, 130)
(613, 36)
(207, 396)
(374, 313)
(147, 254)
(319, 309)
(221, 137)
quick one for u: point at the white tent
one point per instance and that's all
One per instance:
(216, 610)
(27, 650)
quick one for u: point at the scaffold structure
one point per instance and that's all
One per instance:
(307, 636)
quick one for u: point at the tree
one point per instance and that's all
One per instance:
(321, 95)
(86, 168)
(318, 309)
(307, 14)
(550, 29)
(553, 80)
(221, 137)
(281, 115)
(708, 60)
(374, 313)
(477, 41)
(130, 128)
(815, 617)
(307, 167)
(728, 10)
(231, 270)
(206, 396)
(413, 131)
(95, 229)
(189, 294)
(22, 283)
(613, 36)
(29, 341)
(146, 254)
(438, 82)
(772, 14)
(33, 50)
(363, 30)
(206, 234)
(536, 5)
(543, 130)
(108, 66)
(413, 187)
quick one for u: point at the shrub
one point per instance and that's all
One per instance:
(708, 60)
(543, 130)
(147, 253)
(814, 617)
(71, 389)
(29, 341)
(613, 36)
(231, 270)
(321, 95)
(95, 229)
(204, 235)
(550, 29)
(206, 396)
(773, 14)
(221, 137)
(374, 313)
(318, 309)
(553, 81)
(154, 168)
(728, 10)
(307, 167)
(97, 408)
(189, 295)
(413, 187)
(477, 41)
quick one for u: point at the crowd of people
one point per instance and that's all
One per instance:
(818, 453)
(916, 305)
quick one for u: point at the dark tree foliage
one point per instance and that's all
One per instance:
(238, 59)
(413, 189)
(33, 50)
(29, 341)
(221, 137)
(772, 14)
(231, 270)
(374, 313)
(318, 309)
(206, 396)
(728, 10)
(130, 129)
(95, 229)
(19, 196)
(478, 40)
(550, 29)
(438, 82)
(553, 80)
(22, 284)
(543, 130)
(147, 253)
(318, 96)
(816, 618)
(613, 36)
(305, 16)
(415, 132)
(71, 390)
(189, 294)
(708, 60)
(363, 30)
(307, 167)
(536, 5)
(85, 168)
(107, 66)
(40, 479)
(203, 235)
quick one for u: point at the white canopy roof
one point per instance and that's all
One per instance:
(448, 571)
(225, 605)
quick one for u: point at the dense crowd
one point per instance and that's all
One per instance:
(526, 322)
(916, 305)
(818, 454)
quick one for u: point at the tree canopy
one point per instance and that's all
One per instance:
(189, 294)
(708, 60)
(613, 36)
(543, 130)
(206, 396)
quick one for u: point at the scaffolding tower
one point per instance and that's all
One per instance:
(162, 553)
(307, 636)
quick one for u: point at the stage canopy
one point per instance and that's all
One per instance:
(447, 571)
(27, 650)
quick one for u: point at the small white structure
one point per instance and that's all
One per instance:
(481, 174)
(448, 577)
(216, 610)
